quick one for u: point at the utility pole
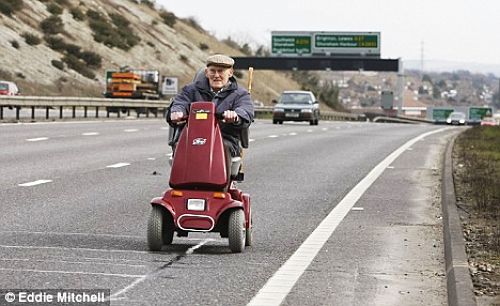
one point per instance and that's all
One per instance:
(422, 57)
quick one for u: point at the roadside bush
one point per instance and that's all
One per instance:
(183, 58)
(78, 65)
(14, 44)
(195, 24)
(54, 9)
(91, 58)
(31, 39)
(58, 64)
(55, 43)
(8, 7)
(52, 25)
(204, 46)
(168, 18)
(77, 14)
(120, 35)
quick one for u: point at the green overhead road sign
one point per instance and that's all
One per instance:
(291, 44)
(345, 41)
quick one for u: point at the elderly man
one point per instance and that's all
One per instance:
(219, 86)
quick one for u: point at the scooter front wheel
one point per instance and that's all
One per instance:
(236, 231)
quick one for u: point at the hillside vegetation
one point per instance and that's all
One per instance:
(64, 47)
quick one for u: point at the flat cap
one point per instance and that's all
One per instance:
(220, 60)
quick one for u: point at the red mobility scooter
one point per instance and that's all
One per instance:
(201, 197)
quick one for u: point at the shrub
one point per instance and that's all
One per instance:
(195, 24)
(58, 64)
(14, 44)
(7, 7)
(78, 65)
(154, 22)
(55, 43)
(91, 58)
(168, 18)
(54, 9)
(203, 46)
(20, 75)
(150, 44)
(120, 36)
(183, 58)
(52, 25)
(72, 49)
(77, 14)
(31, 39)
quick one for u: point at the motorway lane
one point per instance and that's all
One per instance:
(87, 228)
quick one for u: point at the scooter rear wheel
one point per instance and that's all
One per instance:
(236, 231)
(159, 231)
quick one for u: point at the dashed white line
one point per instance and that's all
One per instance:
(292, 134)
(130, 130)
(37, 139)
(90, 134)
(151, 158)
(34, 183)
(273, 136)
(281, 283)
(118, 165)
(251, 140)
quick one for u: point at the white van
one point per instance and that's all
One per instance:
(8, 88)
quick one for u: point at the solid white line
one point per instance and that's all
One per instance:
(282, 282)
(34, 183)
(118, 165)
(72, 262)
(37, 139)
(70, 272)
(144, 277)
(90, 134)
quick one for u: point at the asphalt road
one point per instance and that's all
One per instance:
(75, 198)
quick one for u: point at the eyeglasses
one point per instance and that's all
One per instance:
(215, 71)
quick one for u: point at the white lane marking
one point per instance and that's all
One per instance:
(153, 273)
(165, 128)
(324, 129)
(73, 234)
(390, 167)
(28, 247)
(283, 280)
(151, 158)
(34, 183)
(37, 139)
(309, 131)
(273, 136)
(292, 134)
(73, 262)
(130, 130)
(251, 140)
(357, 208)
(70, 272)
(90, 134)
(118, 165)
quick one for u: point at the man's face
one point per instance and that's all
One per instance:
(218, 76)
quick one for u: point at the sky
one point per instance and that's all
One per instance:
(448, 30)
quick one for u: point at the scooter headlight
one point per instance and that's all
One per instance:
(196, 204)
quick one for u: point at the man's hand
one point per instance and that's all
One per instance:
(230, 116)
(176, 117)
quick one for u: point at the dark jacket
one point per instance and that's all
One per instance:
(233, 98)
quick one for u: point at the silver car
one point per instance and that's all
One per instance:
(296, 106)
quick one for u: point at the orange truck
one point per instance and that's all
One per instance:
(133, 84)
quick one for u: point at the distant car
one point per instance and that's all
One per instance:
(296, 106)
(456, 118)
(8, 88)
(489, 121)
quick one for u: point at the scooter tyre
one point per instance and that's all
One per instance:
(159, 232)
(236, 231)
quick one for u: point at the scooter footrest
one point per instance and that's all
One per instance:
(240, 177)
